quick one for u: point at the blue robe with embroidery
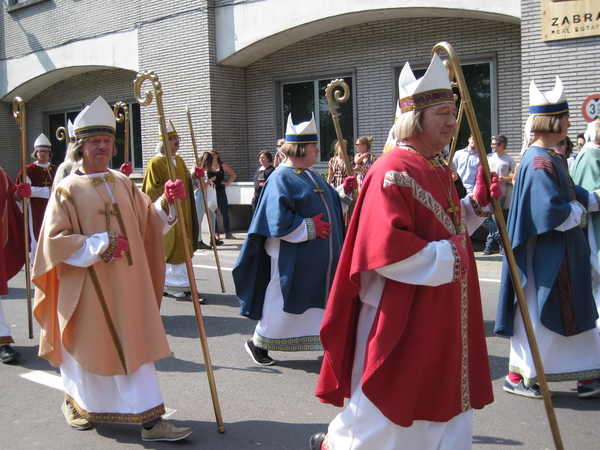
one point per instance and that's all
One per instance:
(539, 204)
(287, 198)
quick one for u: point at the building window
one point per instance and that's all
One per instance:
(58, 120)
(480, 79)
(304, 98)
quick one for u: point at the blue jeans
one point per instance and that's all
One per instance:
(492, 227)
(224, 209)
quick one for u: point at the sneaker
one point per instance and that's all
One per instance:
(203, 246)
(521, 389)
(259, 355)
(201, 298)
(8, 354)
(316, 440)
(164, 431)
(74, 419)
(589, 390)
(487, 251)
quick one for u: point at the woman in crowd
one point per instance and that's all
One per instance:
(206, 160)
(363, 159)
(216, 175)
(262, 173)
(337, 169)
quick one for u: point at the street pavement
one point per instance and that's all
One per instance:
(262, 407)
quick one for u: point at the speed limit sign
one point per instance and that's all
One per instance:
(591, 108)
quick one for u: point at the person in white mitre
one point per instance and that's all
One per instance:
(101, 324)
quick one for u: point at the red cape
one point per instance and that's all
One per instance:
(12, 233)
(415, 355)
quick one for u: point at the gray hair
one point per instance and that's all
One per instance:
(409, 124)
(75, 151)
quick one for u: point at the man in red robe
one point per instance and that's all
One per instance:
(40, 175)
(12, 258)
(404, 314)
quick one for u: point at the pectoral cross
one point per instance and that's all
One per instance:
(107, 212)
(452, 210)
(320, 192)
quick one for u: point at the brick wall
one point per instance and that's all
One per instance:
(233, 109)
(372, 50)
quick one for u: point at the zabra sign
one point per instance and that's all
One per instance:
(569, 19)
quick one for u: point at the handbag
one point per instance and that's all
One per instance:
(211, 197)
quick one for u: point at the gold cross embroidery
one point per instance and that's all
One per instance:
(320, 192)
(453, 210)
(107, 212)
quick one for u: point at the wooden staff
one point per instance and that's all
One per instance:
(120, 117)
(341, 91)
(455, 72)
(19, 114)
(206, 208)
(145, 100)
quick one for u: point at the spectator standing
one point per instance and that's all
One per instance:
(262, 173)
(279, 156)
(216, 176)
(466, 162)
(503, 164)
(364, 159)
(336, 173)
(206, 163)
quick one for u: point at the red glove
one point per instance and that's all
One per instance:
(126, 168)
(174, 189)
(24, 190)
(350, 184)
(199, 172)
(481, 192)
(496, 187)
(322, 229)
(459, 243)
(122, 246)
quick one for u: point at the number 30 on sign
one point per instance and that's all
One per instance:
(591, 108)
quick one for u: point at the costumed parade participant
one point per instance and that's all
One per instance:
(547, 229)
(286, 265)
(12, 257)
(403, 331)
(99, 276)
(40, 175)
(66, 167)
(586, 173)
(177, 282)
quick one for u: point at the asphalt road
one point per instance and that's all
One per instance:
(262, 407)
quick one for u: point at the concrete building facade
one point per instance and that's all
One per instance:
(230, 61)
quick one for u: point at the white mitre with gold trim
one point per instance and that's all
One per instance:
(95, 119)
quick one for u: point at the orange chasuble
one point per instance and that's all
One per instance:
(67, 302)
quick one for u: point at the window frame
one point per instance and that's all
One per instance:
(280, 122)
